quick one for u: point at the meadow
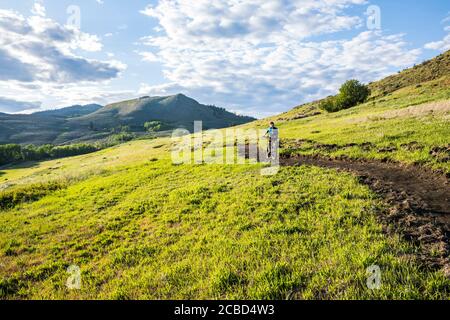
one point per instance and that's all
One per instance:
(140, 227)
(149, 229)
(410, 126)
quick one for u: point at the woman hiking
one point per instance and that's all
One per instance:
(272, 134)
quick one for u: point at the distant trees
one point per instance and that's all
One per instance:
(10, 153)
(120, 129)
(120, 138)
(13, 153)
(72, 150)
(350, 94)
(152, 126)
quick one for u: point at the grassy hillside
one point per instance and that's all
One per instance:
(427, 71)
(43, 127)
(141, 227)
(149, 229)
(410, 125)
(70, 112)
(29, 129)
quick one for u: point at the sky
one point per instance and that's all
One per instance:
(253, 57)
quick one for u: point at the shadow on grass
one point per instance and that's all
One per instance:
(21, 165)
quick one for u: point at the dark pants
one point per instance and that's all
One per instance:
(269, 148)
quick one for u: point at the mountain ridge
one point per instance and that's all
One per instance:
(92, 122)
(71, 111)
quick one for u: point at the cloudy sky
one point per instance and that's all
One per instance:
(255, 57)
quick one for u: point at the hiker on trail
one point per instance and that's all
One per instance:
(272, 134)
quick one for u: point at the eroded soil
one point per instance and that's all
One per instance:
(417, 201)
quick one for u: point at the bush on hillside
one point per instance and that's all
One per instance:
(350, 94)
(152, 126)
(120, 138)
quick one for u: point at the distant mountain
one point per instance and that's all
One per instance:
(173, 111)
(29, 128)
(70, 112)
(93, 122)
(39, 127)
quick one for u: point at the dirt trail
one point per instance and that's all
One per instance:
(418, 201)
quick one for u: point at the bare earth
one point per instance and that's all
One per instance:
(417, 201)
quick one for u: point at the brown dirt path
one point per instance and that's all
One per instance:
(417, 201)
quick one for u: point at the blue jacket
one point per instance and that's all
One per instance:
(272, 131)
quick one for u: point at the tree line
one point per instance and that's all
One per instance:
(13, 153)
(10, 153)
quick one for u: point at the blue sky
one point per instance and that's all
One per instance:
(257, 57)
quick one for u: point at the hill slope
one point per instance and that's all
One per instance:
(427, 71)
(70, 112)
(430, 70)
(141, 228)
(29, 129)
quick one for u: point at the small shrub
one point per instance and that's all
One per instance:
(328, 104)
(152, 126)
(350, 94)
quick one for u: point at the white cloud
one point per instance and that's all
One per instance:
(38, 9)
(259, 56)
(38, 63)
(259, 21)
(38, 49)
(444, 44)
(148, 56)
(58, 95)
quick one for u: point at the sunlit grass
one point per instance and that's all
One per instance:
(209, 231)
(140, 227)
(365, 123)
(114, 158)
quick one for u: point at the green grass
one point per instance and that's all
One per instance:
(160, 231)
(80, 167)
